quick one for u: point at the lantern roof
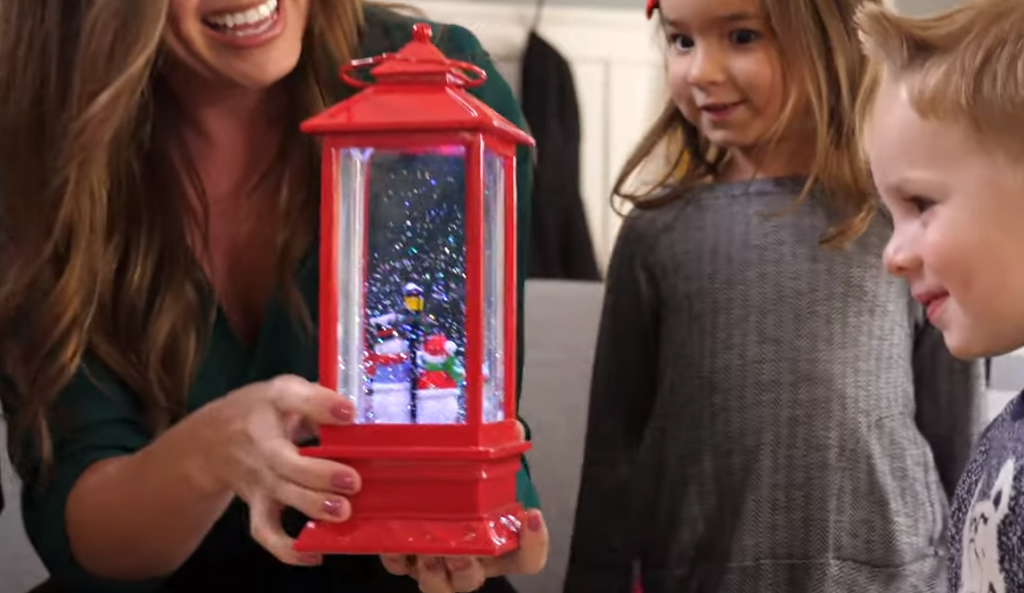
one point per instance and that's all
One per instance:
(417, 89)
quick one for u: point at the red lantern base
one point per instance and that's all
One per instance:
(443, 500)
(491, 535)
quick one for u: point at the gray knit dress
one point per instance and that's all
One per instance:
(767, 415)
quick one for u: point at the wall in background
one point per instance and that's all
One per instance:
(914, 7)
(638, 4)
(909, 6)
(923, 7)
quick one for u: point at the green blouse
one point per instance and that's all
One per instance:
(100, 418)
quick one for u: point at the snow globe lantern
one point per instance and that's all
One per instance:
(418, 308)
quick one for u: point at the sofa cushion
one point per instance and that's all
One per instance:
(20, 568)
(561, 331)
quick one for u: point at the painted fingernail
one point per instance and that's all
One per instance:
(344, 482)
(334, 508)
(342, 411)
(458, 563)
(310, 559)
(534, 522)
(434, 565)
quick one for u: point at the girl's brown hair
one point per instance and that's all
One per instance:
(816, 39)
(93, 222)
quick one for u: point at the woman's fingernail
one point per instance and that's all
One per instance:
(534, 522)
(310, 558)
(458, 563)
(344, 482)
(342, 411)
(334, 508)
(434, 565)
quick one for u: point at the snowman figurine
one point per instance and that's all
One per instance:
(390, 378)
(439, 383)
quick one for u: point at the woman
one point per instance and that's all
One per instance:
(159, 208)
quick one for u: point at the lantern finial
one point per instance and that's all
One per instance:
(422, 32)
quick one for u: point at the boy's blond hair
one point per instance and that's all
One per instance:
(964, 65)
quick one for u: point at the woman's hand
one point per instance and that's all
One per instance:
(256, 457)
(459, 574)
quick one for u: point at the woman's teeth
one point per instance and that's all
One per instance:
(245, 21)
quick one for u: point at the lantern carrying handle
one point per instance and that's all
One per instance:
(459, 70)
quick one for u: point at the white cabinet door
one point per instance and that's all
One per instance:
(617, 66)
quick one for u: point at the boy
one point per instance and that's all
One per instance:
(943, 125)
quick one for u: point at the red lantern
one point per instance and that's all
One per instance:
(418, 308)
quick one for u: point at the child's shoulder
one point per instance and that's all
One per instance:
(987, 522)
(654, 213)
(643, 223)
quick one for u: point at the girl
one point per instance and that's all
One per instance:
(770, 412)
(159, 208)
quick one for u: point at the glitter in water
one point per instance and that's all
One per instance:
(413, 286)
(416, 289)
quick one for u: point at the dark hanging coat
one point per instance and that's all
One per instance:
(560, 242)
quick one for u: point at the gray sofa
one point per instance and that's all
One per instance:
(20, 569)
(561, 330)
(561, 323)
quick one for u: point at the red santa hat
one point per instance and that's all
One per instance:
(386, 333)
(651, 6)
(438, 346)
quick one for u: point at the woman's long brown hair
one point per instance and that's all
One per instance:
(93, 222)
(825, 67)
